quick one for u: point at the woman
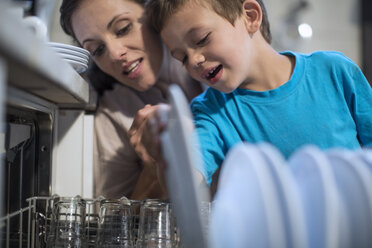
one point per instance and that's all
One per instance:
(124, 46)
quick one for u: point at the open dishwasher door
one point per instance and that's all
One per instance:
(180, 150)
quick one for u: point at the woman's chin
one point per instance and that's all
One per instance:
(145, 87)
(141, 87)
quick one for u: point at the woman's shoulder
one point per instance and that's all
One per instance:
(118, 105)
(120, 98)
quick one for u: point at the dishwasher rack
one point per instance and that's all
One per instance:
(30, 226)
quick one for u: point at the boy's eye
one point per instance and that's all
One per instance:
(204, 40)
(99, 50)
(124, 30)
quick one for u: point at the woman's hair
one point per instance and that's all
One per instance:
(159, 11)
(97, 78)
(68, 8)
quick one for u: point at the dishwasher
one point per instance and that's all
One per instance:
(44, 130)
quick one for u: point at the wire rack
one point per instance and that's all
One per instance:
(31, 226)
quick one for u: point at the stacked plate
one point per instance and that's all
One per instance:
(313, 199)
(77, 57)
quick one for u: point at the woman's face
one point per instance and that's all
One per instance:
(120, 41)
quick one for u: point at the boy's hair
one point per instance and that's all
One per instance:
(159, 11)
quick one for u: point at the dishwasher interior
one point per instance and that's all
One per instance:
(43, 104)
(26, 162)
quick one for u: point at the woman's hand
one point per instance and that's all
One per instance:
(144, 136)
(145, 131)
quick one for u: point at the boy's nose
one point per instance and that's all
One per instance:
(197, 60)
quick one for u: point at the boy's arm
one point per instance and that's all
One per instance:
(358, 93)
(211, 145)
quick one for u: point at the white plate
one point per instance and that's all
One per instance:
(362, 161)
(246, 211)
(70, 52)
(79, 67)
(178, 147)
(291, 204)
(353, 181)
(366, 155)
(75, 58)
(69, 47)
(315, 181)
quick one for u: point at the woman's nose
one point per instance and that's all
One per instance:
(117, 50)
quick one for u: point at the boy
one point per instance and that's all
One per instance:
(257, 94)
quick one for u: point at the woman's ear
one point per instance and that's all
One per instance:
(252, 14)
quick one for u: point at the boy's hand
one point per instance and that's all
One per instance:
(145, 131)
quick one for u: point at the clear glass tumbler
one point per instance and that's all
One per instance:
(115, 225)
(92, 220)
(136, 207)
(69, 221)
(50, 221)
(156, 228)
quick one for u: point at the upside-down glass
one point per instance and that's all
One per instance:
(92, 220)
(156, 228)
(136, 207)
(69, 221)
(49, 224)
(115, 225)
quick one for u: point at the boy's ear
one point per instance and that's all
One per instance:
(252, 14)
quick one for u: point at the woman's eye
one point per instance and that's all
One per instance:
(184, 60)
(99, 50)
(124, 30)
(204, 40)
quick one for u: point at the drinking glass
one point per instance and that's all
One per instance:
(115, 225)
(156, 228)
(136, 207)
(50, 221)
(92, 220)
(69, 222)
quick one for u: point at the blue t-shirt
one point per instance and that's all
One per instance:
(327, 102)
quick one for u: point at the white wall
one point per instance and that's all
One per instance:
(73, 167)
(335, 24)
(56, 33)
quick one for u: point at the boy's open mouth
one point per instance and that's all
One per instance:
(212, 73)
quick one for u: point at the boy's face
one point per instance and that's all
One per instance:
(211, 48)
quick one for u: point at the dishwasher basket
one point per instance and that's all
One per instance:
(31, 226)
